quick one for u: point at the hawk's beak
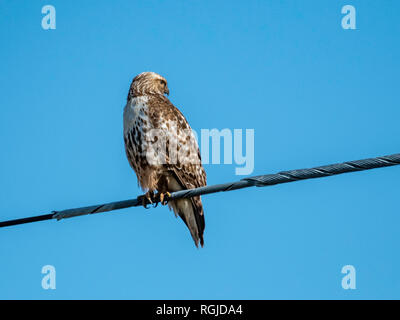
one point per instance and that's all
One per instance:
(166, 91)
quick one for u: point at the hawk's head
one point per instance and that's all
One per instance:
(148, 83)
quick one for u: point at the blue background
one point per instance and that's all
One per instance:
(313, 92)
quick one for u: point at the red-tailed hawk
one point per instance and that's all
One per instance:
(162, 149)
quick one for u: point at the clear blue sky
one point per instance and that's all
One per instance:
(313, 92)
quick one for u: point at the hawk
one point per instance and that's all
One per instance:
(162, 150)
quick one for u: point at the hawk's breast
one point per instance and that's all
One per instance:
(136, 115)
(136, 125)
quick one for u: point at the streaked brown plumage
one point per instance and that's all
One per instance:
(162, 150)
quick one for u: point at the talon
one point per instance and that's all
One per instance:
(144, 203)
(164, 198)
(147, 198)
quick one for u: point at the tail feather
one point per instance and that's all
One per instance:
(192, 217)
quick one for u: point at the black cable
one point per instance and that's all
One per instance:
(258, 181)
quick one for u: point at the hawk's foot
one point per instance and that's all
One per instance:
(163, 196)
(148, 198)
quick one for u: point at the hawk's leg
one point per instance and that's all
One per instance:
(162, 187)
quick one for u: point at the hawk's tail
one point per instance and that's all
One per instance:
(191, 212)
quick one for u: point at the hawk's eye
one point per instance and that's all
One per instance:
(162, 82)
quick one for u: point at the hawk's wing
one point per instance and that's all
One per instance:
(186, 168)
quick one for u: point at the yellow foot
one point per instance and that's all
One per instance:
(147, 198)
(164, 197)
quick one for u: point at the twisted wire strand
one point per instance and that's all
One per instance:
(257, 181)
